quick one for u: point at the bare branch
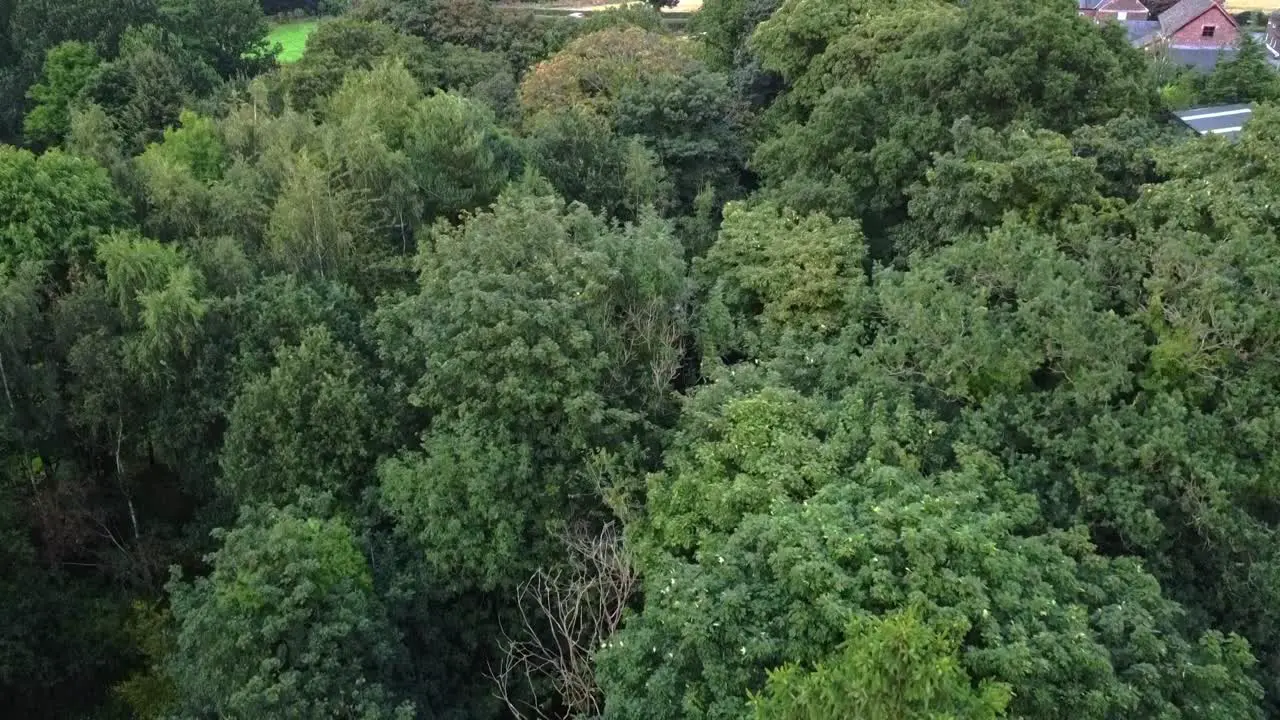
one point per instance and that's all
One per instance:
(565, 617)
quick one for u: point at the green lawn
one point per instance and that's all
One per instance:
(293, 39)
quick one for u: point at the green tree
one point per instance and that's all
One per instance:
(694, 125)
(530, 310)
(286, 624)
(520, 37)
(782, 289)
(229, 35)
(317, 226)
(1246, 77)
(1124, 150)
(586, 161)
(1088, 356)
(368, 125)
(876, 89)
(727, 25)
(344, 44)
(277, 445)
(177, 174)
(595, 69)
(389, 162)
(460, 158)
(988, 174)
(776, 521)
(890, 668)
(67, 70)
(145, 88)
(150, 693)
(54, 208)
(648, 86)
(631, 15)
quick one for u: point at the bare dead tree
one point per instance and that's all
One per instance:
(566, 616)
(660, 329)
(649, 334)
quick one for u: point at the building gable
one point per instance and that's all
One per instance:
(1211, 28)
(1199, 23)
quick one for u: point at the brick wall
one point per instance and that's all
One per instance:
(1192, 34)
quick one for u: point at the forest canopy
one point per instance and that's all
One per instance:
(799, 359)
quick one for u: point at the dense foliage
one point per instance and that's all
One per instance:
(834, 358)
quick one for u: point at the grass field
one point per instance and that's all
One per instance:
(293, 39)
(1242, 5)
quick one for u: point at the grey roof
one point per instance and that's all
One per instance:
(1222, 120)
(1141, 31)
(1174, 18)
(1090, 4)
(1199, 58)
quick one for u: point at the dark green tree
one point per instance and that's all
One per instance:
(286, 624)
(228, 35)
(531, 310)
(876, 89)
(586, 161)
(312, 424)
(460, 159)
(145, 88)
(30, 28)
(10, 109)
(727, 27)
(694, 125)
(345, 44)
(989, 174)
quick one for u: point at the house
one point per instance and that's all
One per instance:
(1121, 10)
(1195, 33)
(1198, 24)
(1224, 121)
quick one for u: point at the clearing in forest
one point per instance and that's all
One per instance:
(292, 37)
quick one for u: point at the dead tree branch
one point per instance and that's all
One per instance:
(565, 617)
